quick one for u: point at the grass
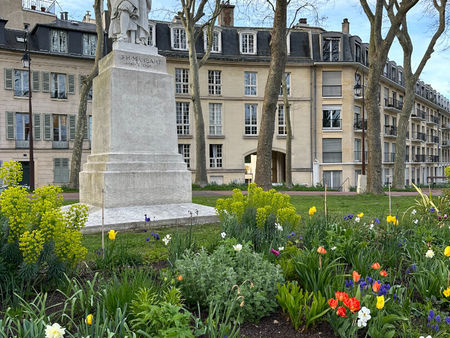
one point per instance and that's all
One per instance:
(206, 235)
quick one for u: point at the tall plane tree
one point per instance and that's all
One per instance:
(86, 86)
(378, 51)
(191, 15)
(410, 84)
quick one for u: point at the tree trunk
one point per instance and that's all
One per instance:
(77, 152)
(287, 114)
(201, 177)
(263, 175)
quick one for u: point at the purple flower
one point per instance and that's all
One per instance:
(432, 210)
(275, 252)
(447, 320)
(301, 238)
(147, 219)
(377, 220)
(438, 318)
(411, 269)
(292, 234)
(395, 296)
(436, 328)
(348, 283)
(348, 217)
(369, 280)
(147, 239)
(431, 314)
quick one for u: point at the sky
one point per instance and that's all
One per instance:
(332, 13)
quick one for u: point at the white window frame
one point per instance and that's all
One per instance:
(288, 84)
(288, 43)
(251, 84)
(219, 41)
(215, 155)
(181, 81)
(185, 151)
(91, 46)
(23, 81)
(178, 45)
(214, 82)
(215, 119)
(331, 109)
(251, 123)
(60, 128)
(152, 34)
(61, 36)
(56, 86)
(281, 130)
(23, 135)
(182, 118)
(330, 47)
(242, 39)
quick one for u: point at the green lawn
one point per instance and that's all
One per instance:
(206, 235)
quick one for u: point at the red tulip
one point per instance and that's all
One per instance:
(383, 273)
(333, 303)
(321, 250)
(341, 311)
(353, 304)
(341, 296)
(376, 266)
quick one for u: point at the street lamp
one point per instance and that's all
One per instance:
(26, 60)
(359, 91)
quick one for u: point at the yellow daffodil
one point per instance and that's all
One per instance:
(380, 302)
(312, 211)
(392, 219)
(447, 251)
(89, 319)
(360, 215)
(112, 235)
(447, 292)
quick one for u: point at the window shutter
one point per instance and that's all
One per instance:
(72, 128)
(8, 78)
(56, 170)
(85, 130)
(36, 84)
(37, 126)
(64, 170)
(71, 88)
(10, 127)
(45, 82)
(47, 127)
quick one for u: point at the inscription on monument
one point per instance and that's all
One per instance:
(146, 62)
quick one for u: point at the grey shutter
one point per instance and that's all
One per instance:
(10, 125)
(65, 170)
(85, 130)
(36, 83)
(45, 82)
(47, 127)
(71, 87)
(37, 126)
(72, 124)
(56, 170)
(8, 78)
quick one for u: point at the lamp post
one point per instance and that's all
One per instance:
(359, 91)
(26, 60)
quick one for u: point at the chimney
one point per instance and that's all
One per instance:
(87, 17)
(226, 16)
(303, 21)
(64, 16)
(345, 26)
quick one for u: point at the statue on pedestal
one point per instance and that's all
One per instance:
(129, 21)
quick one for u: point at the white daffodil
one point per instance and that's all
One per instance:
(278, 227)
(416, 221)
(413, 212)
(364, 314)
(362, 323)
(333, 248)
(167, 239)
(426, 336)
(237, 247)
(223, 234)
(281, 248)
(357, 219)
(54, 331)
(429, 254)
(371, 225)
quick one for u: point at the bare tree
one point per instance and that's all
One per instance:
(410, 84)
(86, 86)
(378, 51)
(191, 15)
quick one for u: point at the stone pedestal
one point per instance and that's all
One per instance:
(134, 154)
(362, 184)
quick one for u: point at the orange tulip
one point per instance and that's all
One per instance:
(356, 276)
(179, 278)
(333, 303)
(376, 266)
(321, 250)
(376, 286)
(341, 296)
(383, 273)
(353, 304)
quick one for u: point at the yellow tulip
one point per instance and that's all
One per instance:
(89, 319)
(112, 235)
(447, 251)
(380, 302)
(312, 211)
(447, 292)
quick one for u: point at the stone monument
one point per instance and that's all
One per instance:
(134, 157)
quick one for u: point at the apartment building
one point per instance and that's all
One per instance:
(322, 70)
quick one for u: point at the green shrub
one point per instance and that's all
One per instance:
(228, 274)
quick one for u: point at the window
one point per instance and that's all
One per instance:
(22, 127)
(251, 127)
(58, 86)
(250, 83)
(281, 120)
(215, 156)
(61, 170)
(214, 82)
(357, 123)
(181, 81)
(247, 43)
(394, 74)
(20, 83)
(89, 44)
(179, 38)
(357, 52)
(58, 41)
(332, 179)
(151, 35)
(182, 109)
(185, 151)
(288, 84)
(215, 119)
(331, 84)
(332, 150)
(59, 127)
(386, 151)
(330, 49)
(385, 70)
(357, 149)
(216, 46)
(400, 77)
(331, 117)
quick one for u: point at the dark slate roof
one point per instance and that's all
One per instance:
(69, 25)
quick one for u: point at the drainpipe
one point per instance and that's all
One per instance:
(312, 119)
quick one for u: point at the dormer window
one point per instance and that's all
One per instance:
(330, 49)
(400, 77)
(247, 42)
(89, 44)
(357, 52)
(58, 41)
(152, 34)
(385, 71)
(216, 46)
(178, 38)
(394, 74)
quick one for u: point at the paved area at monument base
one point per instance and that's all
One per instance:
(133, 218)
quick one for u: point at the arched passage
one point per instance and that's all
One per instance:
(278, 167)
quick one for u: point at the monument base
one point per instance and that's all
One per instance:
(362, 184)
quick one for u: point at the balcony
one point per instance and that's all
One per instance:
(446, 143)
(419, 137)
(435, 139)
(60, 145)
(445, 126)
(432, 120)
(389, 157)
(22, 144)
(390, 131)
(357, 124)
(433, 158)
(332, 124)
(358, 156)
(47, 6)
(419, 158)
(393, 104)
(418, 115)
